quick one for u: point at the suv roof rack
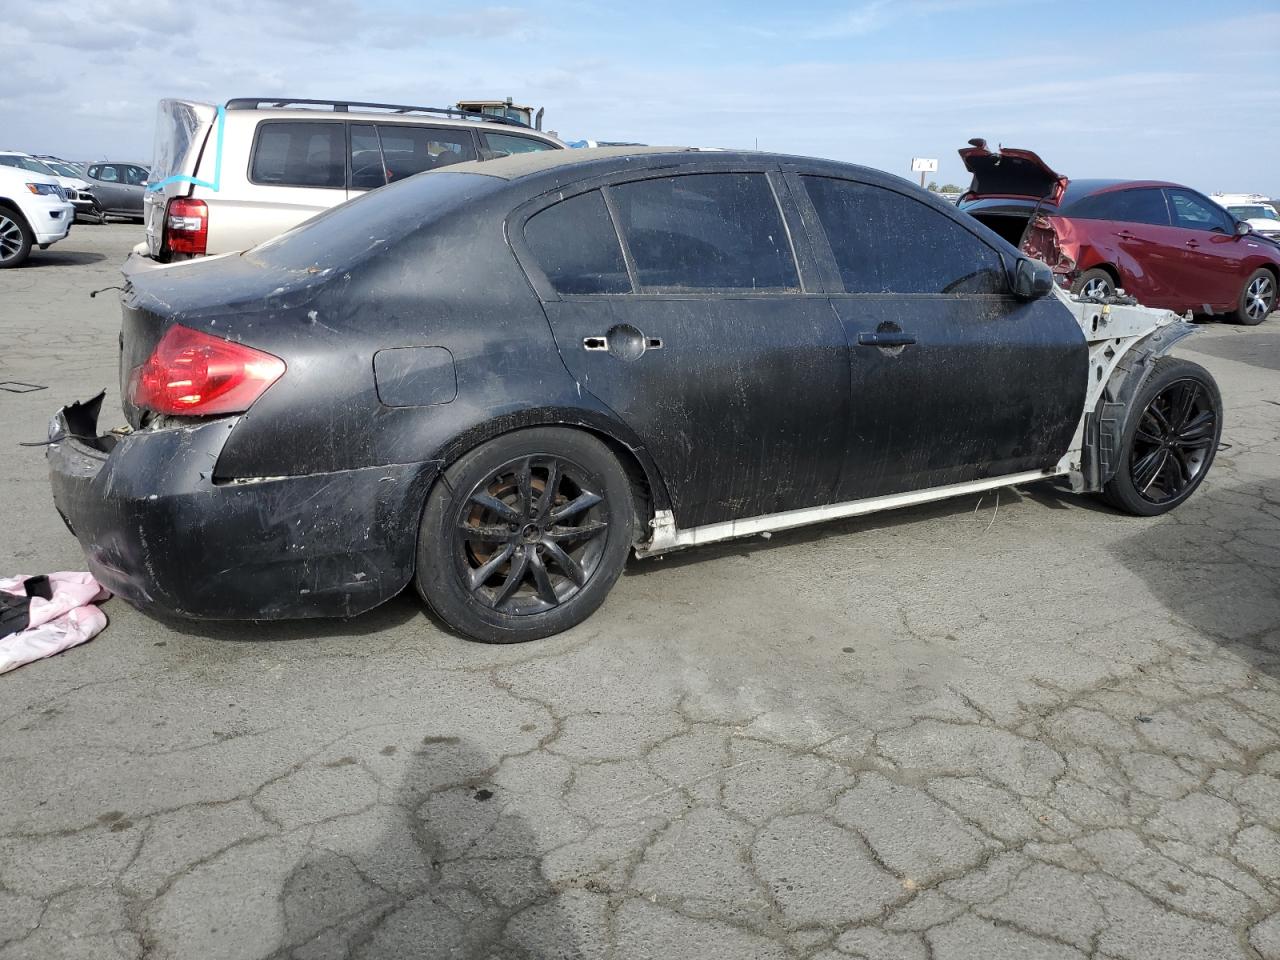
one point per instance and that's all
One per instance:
(344, 106)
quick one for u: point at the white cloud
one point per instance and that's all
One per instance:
(1173, 106)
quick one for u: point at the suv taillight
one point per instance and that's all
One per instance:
(186, 226)
(191, 373)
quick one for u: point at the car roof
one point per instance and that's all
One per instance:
(581, 163)
(387, 116)
(519, 165)
(1087, 187)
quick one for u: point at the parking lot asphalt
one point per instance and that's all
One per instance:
(1010, 726)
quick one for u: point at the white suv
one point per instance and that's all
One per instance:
(74, 186)
(227, 177)
(34, 211)
(1254, 209)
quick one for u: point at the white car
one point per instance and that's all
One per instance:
(228, 177)
(34, 211)
(1254, 209)
(76, 188)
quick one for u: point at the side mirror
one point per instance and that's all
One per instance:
(1243, 229)
(1031, 279)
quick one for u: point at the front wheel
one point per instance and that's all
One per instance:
(1257, 298)
(15, 239)
(1168, 447)
(524, 536)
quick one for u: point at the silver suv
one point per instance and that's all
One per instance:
(227, 177)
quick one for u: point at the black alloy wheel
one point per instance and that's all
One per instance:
(531, 536)
(1171, 443)
(524, 536)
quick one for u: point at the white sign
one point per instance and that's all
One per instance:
(921, 165)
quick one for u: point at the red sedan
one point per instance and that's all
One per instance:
(1165, 244)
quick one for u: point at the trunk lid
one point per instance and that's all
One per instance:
(183, 129)
(1009, 173)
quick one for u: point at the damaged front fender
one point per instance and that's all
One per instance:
(1115, 406)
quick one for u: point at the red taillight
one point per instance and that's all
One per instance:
(186, 226)
(192, 373)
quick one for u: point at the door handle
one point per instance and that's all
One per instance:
(595, 343)
(895, 339)
(1193, 244)
(623, 341)
(1126, 234)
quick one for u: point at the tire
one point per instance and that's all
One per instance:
(1100, 284)
(1169, 440)
(1257, 298)
(498, 561)
(15, 238)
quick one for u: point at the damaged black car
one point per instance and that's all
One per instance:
(499, 380)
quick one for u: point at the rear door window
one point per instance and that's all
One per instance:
(576, 246)
(886, 242)
(1142, 205)
(300, 153)
(505, 144)
(1193, 212)
(135, 176)
(713, 231)
(407, 149)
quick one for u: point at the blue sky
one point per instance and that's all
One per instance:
(1179, 90)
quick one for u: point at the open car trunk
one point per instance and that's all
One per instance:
(182, 129)
(1007, 188)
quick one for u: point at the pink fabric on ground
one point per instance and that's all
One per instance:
(68, 619)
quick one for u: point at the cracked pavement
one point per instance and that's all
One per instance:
(1020, 726)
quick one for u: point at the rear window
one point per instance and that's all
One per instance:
(1253, 213)
(707, 231)
(300, 153)
(1142, 205)
(407, 150)
(345, 234)
(177, 125)
(575, 244)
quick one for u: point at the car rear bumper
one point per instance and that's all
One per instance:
(158, 530)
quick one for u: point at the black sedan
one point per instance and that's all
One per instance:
(498, 380)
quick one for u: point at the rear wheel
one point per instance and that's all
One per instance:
(1168, 447)
(1257, 298)
(15, 239)
(1095, 284)
(524, 536)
